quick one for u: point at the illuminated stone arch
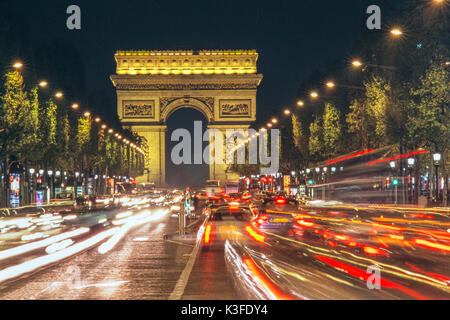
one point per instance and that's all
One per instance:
(152, 85)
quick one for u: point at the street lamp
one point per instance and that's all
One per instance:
(396, 32)
(59, 95)
(300, 103)
(17, 65)
(331, 84)
(274, 120)
(437, 159)
(75, 106)
(411, 162)
(357, 63)
(97, 119)
(394, 180)
(314, 94)
(43, 84)
(87, 114)
(287, 112)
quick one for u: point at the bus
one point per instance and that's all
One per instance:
(369, 176)
(213, 187)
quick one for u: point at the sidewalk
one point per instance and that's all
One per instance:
(33, 208)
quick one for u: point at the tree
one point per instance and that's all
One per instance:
(377, 103)
(316, 146)
(332, 130)
(428, 116)
(47, 130)
(300, 140)
(18, 121)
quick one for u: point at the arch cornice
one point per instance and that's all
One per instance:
(194, 103)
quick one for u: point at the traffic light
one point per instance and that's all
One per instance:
(310, 182)
(395, 182)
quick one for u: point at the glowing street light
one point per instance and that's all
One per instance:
(396, 32)
(357, 63)
(75, 106)
(87, 114)
(97, 119)
(314, 94)
(287, 112)
(274, 120)
(331, 84)
(110, 131)
(43, 84)
(269, 125)
(17, 65)
(104, 126)
(300, 103)
(59, 95)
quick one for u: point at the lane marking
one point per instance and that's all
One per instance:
(178, 291)
(181, 243)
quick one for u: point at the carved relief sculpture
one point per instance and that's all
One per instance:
(138, 109)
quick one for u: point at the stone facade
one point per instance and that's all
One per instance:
(151, 85)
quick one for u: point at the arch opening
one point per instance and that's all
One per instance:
(185, 118)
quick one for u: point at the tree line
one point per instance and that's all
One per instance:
(37, 132)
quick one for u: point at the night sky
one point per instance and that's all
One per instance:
(294, 39)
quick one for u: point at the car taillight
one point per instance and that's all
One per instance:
(208, 234)
(262, 219)
(303, 223)
(280, 200)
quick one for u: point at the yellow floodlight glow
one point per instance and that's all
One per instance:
(17, 65)
(357, 63)
(396, 32)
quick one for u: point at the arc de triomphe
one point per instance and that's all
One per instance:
(151, 85)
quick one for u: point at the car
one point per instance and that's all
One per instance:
(225, 221)
(273, 214)
(269, 221)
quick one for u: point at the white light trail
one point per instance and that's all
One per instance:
(34, 264)
(40, 244)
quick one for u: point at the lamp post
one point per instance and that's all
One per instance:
(411, 162)
(437, 159)
(394, 180)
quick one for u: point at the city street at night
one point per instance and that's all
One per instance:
(206, 159)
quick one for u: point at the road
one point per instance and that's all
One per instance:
(327, 255)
